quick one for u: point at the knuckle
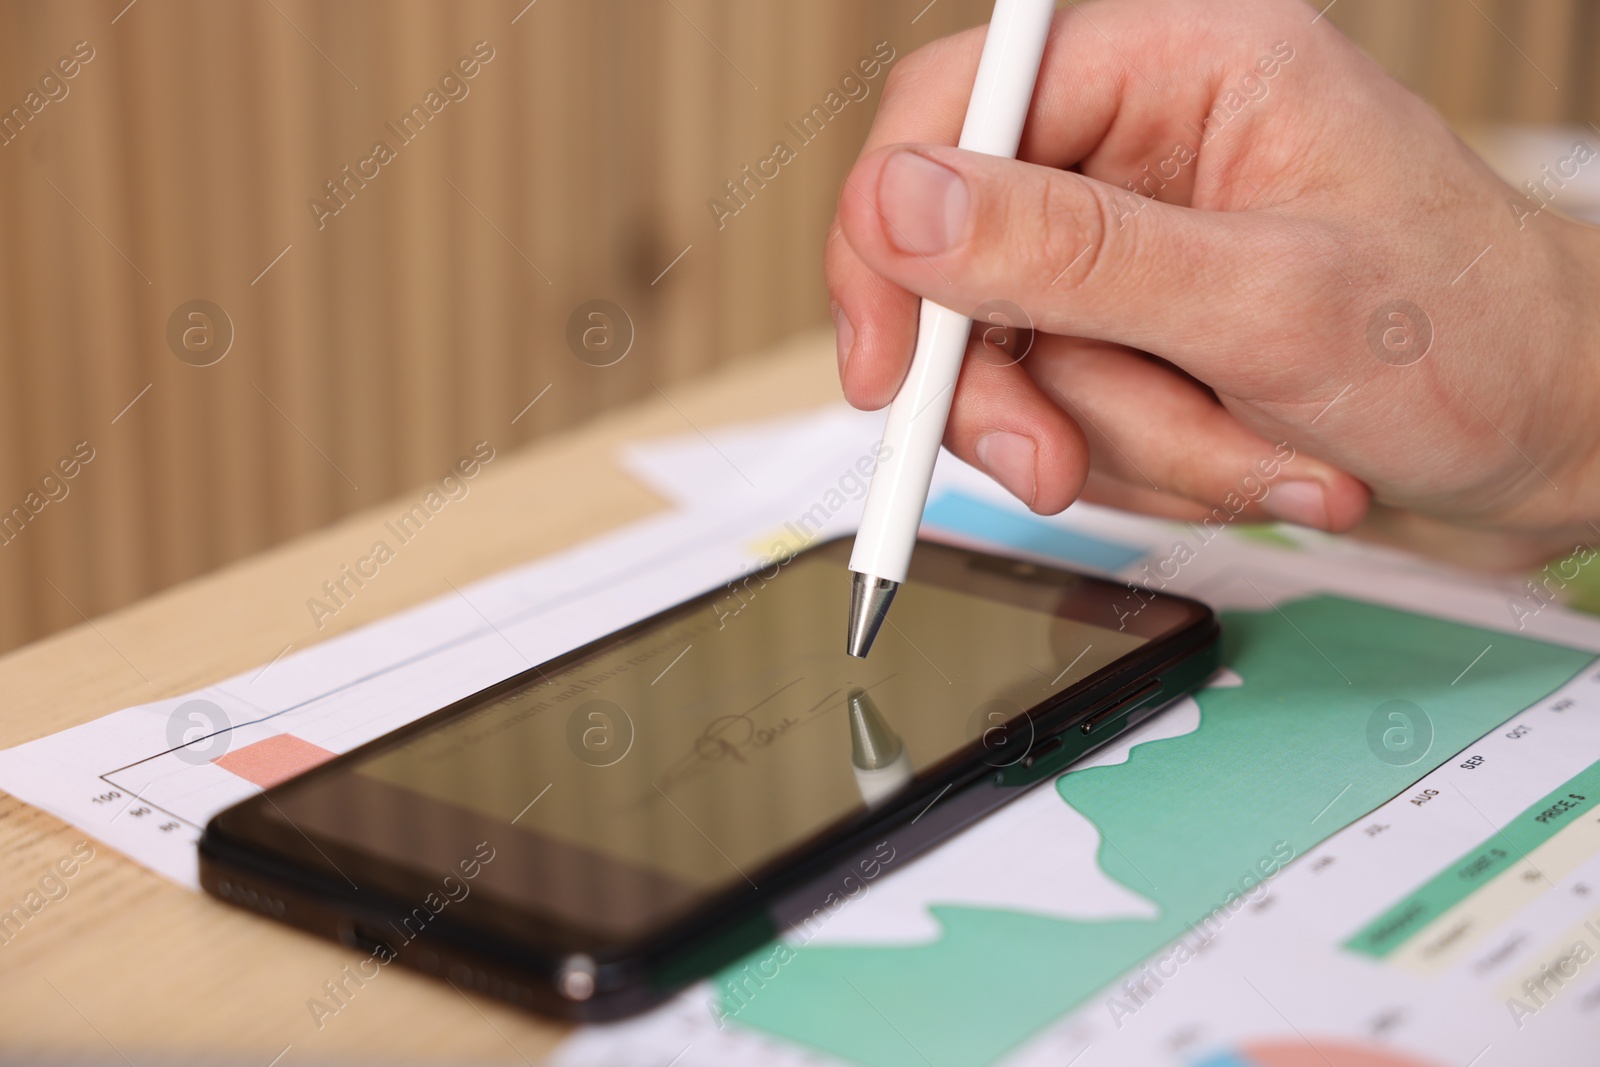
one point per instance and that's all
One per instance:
(837, 259)
(1072, 228)
(833, 246)
(1308, 269)
(909, 72)
(922, 72)
(895, 83)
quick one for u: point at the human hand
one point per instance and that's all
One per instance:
(1264, 246)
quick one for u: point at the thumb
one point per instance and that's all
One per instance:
(1211, 291)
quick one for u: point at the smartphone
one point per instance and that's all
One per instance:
(592, 835)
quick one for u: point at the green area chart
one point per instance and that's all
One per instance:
(1188, 818)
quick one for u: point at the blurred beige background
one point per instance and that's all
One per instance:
(373, 347)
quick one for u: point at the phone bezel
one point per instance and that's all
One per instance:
(243, 847)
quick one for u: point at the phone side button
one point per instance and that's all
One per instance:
(1041, 750)
(1121, 706)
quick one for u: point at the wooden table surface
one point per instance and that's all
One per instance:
(128, 967)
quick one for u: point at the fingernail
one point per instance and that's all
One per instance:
(845, 335)
(1303, 503)
(925, 204)
(1008, 457)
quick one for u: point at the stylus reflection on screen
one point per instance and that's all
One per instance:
(878, 756)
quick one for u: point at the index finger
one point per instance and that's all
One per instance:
(873, 316)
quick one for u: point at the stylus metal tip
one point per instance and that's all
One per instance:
(869, 604)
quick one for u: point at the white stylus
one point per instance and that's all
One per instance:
(1000, 95)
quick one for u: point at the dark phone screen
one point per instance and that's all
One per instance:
(715, 739)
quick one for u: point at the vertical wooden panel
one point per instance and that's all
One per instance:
(688, 302)
(1466, 56)
(1539, 61)
(479, 338)
(159, 212)
(1582, 92)
(114, 503)
(18, 621)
